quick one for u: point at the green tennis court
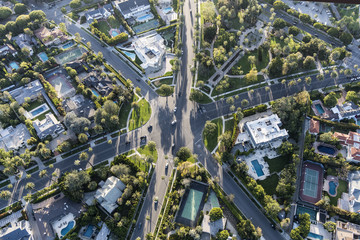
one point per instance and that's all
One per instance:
(311, 182)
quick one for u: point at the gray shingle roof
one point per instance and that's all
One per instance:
(127, 6)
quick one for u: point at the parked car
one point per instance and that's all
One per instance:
(173, 122)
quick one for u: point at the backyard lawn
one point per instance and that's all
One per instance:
(114, 23)
(245, 64)
(103, 26)
(343, 187)
(34, 104)
(141, 115)
(211, 141)
(269, 184)
(276, 164)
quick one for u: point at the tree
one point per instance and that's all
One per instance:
(183, 154)
(251, 77)
(352, 96)
(75, 4)
(309, 62)
(43, 173)
(210, 129)
(76, 124)
(294, 30)
(120, 170)
(286, 149)
(30, 186)
(83, 138)
(165, 90)
(5, 12)
(222, 235)
(37, 15)
(62, 27)
(271, 206)
(84, 156)
(305, 18)
(152, 146)
(280, 5)
(244, 103)
(327, 137)
(279, 23)
(73, 184)
(346, 38)
(208, 11)
(45, 153)
(330, 226)
(215, 214)
(330, 100)
(285, 223)
(196, 95)
(5, 195)
(20, 8)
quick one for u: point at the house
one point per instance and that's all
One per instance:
(102, 86)
(108, 194)
(80, 106)
(98, 14)
(49, 126)
(164, 2)
(351, 201)
(212, 228)
(352, 143)
(50, 36)
(133, 8)
(7, 49)
(265, 130)
(25, 41)
(104, 233)
(14, 138)
(151, 51)
(31, 90)
(345, 111)
(17, 231)
(347, 231)
(314, 126)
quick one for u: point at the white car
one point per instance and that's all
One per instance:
(166, 165)
(175, 109)
(173, 122)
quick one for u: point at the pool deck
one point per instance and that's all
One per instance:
(317, 144)
(326, 184)
(317, 167)
(327, 113)
(200, 186)
(61, 223)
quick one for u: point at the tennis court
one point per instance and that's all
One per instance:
(69, 56)
(146, 26)
(311, 181)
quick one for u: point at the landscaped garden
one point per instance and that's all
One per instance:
(213, 129)
(140, 115)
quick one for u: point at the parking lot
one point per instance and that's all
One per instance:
(312, 8)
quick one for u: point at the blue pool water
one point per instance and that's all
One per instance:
(332, 187)
(326, 149)
(316, 236)
(65, 230)
(43, 56)
(130, 55)
(144, 18)
(114, 33)
(95, 93)
(89, 231)
(38, 110)
(319, 108)
(192, 204)
(14, 65)
(257, 167)
(168, 9)
(68, 45)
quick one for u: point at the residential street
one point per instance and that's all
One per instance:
(186, 132)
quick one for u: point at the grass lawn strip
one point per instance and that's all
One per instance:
(229, 124)
(140, 116)
(211, 141)
(276, 164)
(235, 84)
(144, 150)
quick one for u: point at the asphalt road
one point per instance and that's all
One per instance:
(186, 132)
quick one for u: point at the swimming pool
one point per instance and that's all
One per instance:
(302, 210)
(167, 10)
(192, 204)
(144, 18)
(315, 236)
(95, 93)
(319, 108)
(326, 149)
(258, 168)
(332, 187)
(43, 57)
(89, 231)
(114, 33)
(66, 229)
(130, 55)
(14, 65)
(68, 45)
(39, 110)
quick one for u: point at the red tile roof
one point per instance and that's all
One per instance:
(314, 126)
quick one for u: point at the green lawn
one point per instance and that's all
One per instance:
(235, 83)
(124, 113)
(114, 24)
(229, 125)
(141, 116)
(269, 184)
(103, 26)
(343, 187)
(211, 141)
(144, 150)
(245, 64)
(33, 105)
(276, 164)
(167, 81)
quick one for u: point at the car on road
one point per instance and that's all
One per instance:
(150, 128)
(80, 169)
(156, 200)
(139, 226)
(175, 109)
(166, 165)
(83, 39)
(127, 142)
(173, 122)
(143, 139)
(138, 79)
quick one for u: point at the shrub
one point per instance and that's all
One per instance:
(75, 4)
(215, 214)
